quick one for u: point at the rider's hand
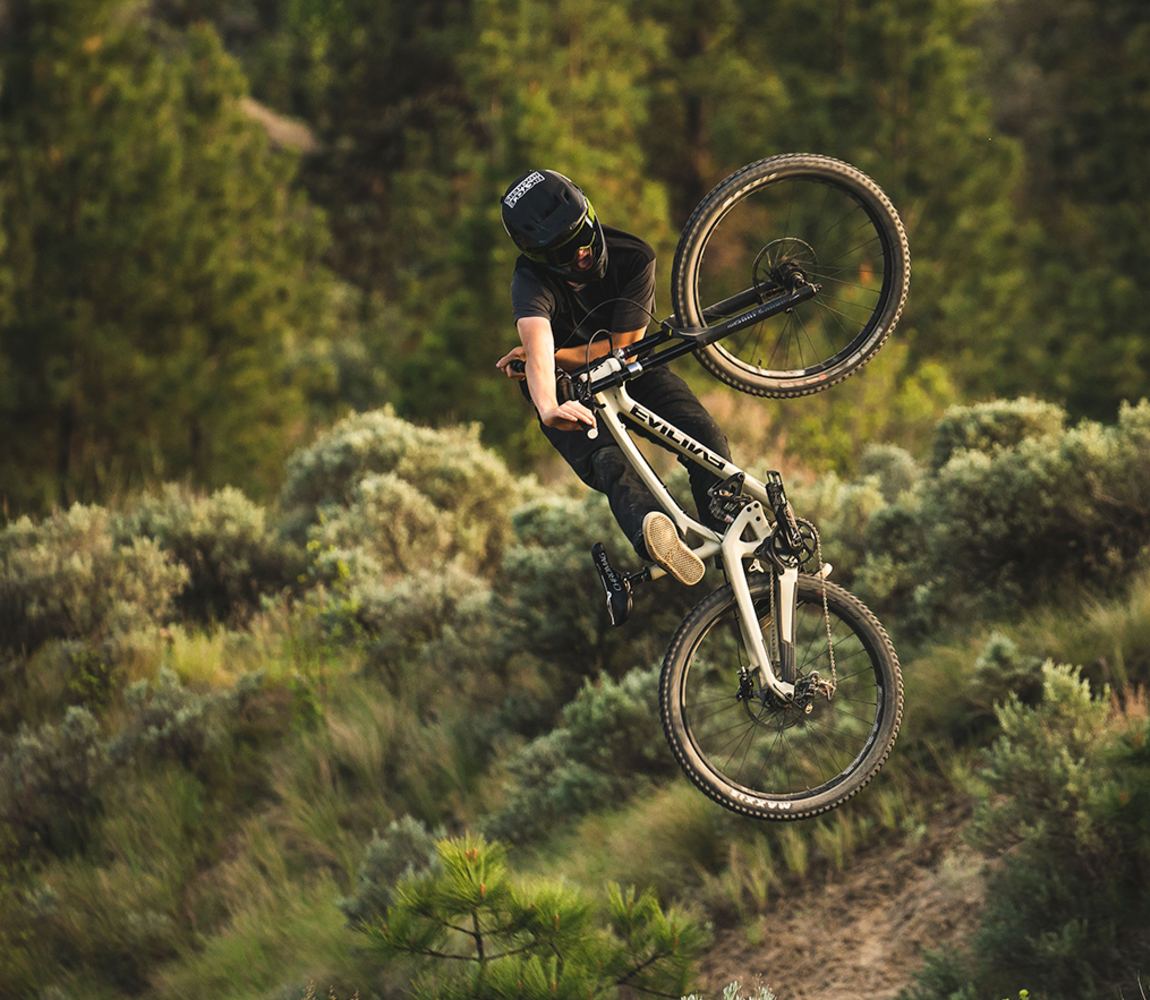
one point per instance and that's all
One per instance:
(569, 416)
(517, 353)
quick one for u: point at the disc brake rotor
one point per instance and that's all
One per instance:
(779, 260)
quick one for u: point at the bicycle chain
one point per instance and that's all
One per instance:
(826, 614)
(774, 650)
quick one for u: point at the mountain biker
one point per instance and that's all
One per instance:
(581, 289)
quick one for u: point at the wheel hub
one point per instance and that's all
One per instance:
(765, 706)
(783, 263)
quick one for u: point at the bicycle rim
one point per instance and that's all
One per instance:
(814, 215)
(756, 756)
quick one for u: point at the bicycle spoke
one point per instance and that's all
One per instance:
(768, 746)
(832, 239)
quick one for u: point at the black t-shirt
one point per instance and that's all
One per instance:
(624, 300)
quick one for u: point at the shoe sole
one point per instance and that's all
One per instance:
(666, 548)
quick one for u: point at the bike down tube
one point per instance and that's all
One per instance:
(614, 402)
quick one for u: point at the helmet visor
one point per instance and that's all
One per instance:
(565, 253)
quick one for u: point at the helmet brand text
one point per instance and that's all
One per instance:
(522, 188)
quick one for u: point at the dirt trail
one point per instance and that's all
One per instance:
(860, 934)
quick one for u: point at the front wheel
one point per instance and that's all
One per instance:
(772, 225)
(755, 755)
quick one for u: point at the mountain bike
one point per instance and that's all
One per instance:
(780, 694)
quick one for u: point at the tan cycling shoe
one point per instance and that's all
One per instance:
(666, 548)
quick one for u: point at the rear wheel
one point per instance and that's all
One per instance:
(756, 755)
(788, 218)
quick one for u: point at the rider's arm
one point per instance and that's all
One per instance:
(570, 358)
(539, 343)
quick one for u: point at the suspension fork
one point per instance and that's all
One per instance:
(786, 584)
(745, 535)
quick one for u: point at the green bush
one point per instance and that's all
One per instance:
(232, 557)
(893, 467)
(434, 621)
(993, 426)
(167, 721)
(390, 529)
(1044, 759)
(614, 726)
(608, 744)
(945, 975)
(50, 784)
(116, 836)
(1002, 670)
(51, 779)
(71, 576)
(967, 683)
(403, 493)
(405, 850)
(1065, 808)
(1058, 906)
(841, 512)
(549, 596)
(163, 720)
(551, 604)
(1015, 524)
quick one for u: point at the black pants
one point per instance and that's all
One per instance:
(600, 463)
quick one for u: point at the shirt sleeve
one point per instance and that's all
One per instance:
(638, 293)
(530, 297)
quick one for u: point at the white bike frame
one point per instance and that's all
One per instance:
(743, 536)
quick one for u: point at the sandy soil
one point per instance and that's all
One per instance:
(860, 934)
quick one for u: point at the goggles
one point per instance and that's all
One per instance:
(564, 254)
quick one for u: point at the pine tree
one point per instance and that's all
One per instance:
(160, 271)
(1072, 82)
(469, 929)
(891, 86)
(562, 86)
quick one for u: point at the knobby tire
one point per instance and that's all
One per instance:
(756, 756)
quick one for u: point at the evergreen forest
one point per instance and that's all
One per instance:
(307, 686)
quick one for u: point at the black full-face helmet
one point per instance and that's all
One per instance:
(551, 221)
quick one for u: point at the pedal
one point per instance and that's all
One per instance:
(727, 498)
(617, 586)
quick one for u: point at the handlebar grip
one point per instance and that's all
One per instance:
(565, 389)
